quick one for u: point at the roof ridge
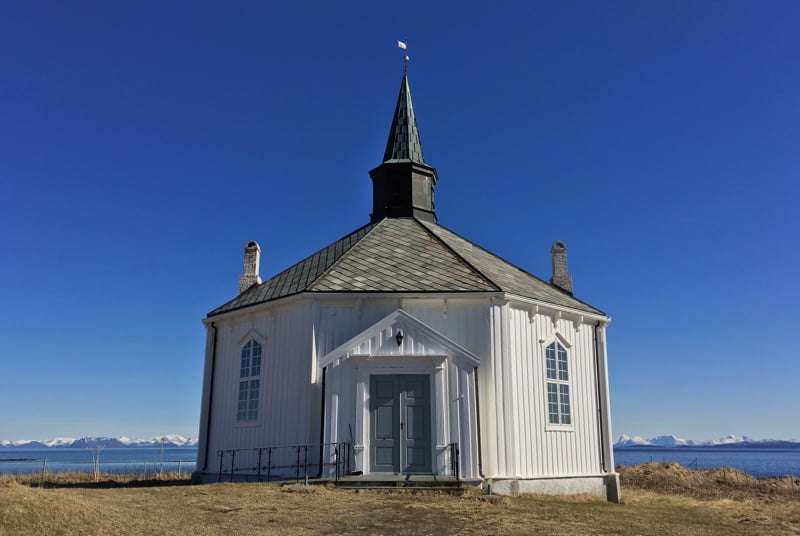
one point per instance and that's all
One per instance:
(464, 261)
(473, 244)
(403, 254)
(498, 256)
(344, 253)
(256, 288)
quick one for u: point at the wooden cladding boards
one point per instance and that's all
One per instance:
(508, 337)
(462, 320)
(285, 336)
(533, 447)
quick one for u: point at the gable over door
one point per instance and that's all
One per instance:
(400, 420)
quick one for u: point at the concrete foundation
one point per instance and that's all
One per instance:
(605, 486)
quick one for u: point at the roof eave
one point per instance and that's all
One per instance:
(325, 294)
(596, 314)
(488, 294)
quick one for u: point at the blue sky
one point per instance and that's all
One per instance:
(142, 145)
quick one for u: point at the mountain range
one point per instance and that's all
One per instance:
(175, 440)
(169, 440)
(671, 441)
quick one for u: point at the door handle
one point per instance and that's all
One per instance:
(402, 425)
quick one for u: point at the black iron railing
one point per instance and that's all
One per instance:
(282, 462)
(301, 461)
(454, 455)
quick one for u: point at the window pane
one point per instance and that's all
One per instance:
(551, 362)
(241, 413)
(563, 373)
(552, 403)
(565, 415)
(245, 368)
(253, 408)
(254, 385)
(255, 367)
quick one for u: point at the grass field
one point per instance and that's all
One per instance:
(127, 506)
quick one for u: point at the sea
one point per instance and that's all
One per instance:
(759, 462)
(141, 461)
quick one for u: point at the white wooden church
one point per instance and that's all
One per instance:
(404, 350)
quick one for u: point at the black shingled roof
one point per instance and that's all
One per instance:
(404, 144)
(403, 255)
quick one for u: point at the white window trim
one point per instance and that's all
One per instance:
(555, 337)
(240, 379)
(551, 427)
(251, 334)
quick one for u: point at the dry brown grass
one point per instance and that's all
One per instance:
(137, 508)
(718, 483)
(105, 480)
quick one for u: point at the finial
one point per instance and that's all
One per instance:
(404, 46)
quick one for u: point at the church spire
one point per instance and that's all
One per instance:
(404, 143)
(403, 184)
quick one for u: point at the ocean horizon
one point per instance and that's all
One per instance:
(759, 462)
(126, 460)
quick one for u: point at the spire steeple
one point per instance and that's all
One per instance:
(404, 144)
(403, 184)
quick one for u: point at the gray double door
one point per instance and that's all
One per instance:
(400, 423)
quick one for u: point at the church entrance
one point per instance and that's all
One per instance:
(400, 423)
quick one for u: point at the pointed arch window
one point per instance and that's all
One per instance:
(249, 381)
(558, 404)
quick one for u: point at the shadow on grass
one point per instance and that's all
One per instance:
(111, 484)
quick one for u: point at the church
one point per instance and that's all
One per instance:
(403, 350)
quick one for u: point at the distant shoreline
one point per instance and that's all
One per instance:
(790, 445)
(115, 447)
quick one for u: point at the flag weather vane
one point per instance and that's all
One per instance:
(404, 45)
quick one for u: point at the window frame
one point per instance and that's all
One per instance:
(558, 378)
(251, 366)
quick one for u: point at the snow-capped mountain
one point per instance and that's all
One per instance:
(672, 441)
(58, 442)
(732, 439)
(22, 443)
(635, 441)
(169, 440)
(669, 441)
(660, 441)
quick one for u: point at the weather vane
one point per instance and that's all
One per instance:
(404, 45)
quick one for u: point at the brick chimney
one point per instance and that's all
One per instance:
(252, 259)
(561, 277)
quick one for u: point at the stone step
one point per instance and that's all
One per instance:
(452, 489)
(369, 483)
(392, 481)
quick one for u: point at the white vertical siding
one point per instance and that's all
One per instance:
(542, 449)
(452, 411)
(287, 398)
(493, 397)
(453, 397)
(516, 441)
(463, 418)
(463, 320)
